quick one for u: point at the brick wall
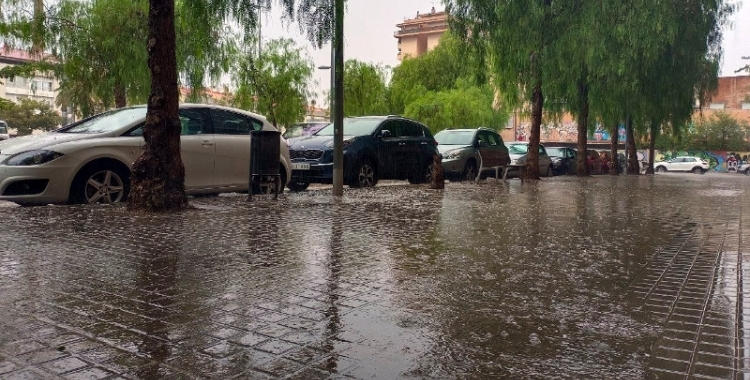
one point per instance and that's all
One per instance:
(732, 91)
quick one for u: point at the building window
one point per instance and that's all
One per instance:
(716, 106)
(746, 106)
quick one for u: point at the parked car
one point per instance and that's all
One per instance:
(303, 129)
(595, 162)
(744, 168)
(683, 164)
(464, 151)
(4, 134)
(563, 160)
(375, 147)
(518, 151)
(90, 161)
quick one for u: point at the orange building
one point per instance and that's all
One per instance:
(421, 34)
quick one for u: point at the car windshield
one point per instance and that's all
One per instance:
(353, 127)
(108, 121)
(518, 148)
(297, 130)
(447, 137)
(3, 128)
(559, 152)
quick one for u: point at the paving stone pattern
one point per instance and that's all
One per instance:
(627, 277)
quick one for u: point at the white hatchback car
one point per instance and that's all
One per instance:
(682, 164)
(519, 152)
(74, 163)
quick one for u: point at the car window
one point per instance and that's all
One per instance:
(490, 138)
(192, 122)
(453, 137)
(518, 148)
(107, 122)
(395, 127)
(411, 129)
(541, 150)
(230, 123)
(353, 127)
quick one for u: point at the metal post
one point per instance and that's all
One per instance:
(338, 120)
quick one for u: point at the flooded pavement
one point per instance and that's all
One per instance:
(600, 277)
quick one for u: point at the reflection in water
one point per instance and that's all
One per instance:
(333, 325)
(157, 274)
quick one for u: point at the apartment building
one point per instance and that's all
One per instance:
(42, 87)
(421, 34)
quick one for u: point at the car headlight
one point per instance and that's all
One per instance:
(33, 157)
(451, 154)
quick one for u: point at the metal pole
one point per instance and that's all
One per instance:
(331, 96)
(338, 120)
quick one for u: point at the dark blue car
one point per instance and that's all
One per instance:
(375, 147)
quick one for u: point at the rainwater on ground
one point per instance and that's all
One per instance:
(598, 277)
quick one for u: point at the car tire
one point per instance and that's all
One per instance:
(364, 174)
(661, 169)
(698, 170)
(747, 171)
(424, 175)
(470, 171)
(297, 186)
(100, 182)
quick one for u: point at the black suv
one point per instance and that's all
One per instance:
(375, 147)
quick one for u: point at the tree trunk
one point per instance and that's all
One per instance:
(613, 149)
(121, 99)
(634, 167)
(652, 148)
(582, 167)
(532, 160)
(158, 176)
(38, 29)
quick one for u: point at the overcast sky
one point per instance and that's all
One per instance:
(369, 26)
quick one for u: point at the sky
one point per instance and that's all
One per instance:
(369, 26)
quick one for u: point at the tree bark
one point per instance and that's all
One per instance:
(158, 176)
(532, 158)
(582, 167)
(652, 148)
(613, 149)
(121, 99)
(633, 166)
(38, 29)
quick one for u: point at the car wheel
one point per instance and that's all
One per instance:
(268, 185)
(425, 175)
(101, 183)
(747, 171)
(661, 169)
(364, 175)
(698, 170)
(470, 171)
(297, 186)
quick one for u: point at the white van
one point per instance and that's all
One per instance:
(4, 134)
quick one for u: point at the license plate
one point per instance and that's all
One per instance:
(300, 166)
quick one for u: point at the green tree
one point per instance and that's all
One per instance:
(364, 89)
(464, 107)
(719, 132)
(276, 83)
(28, 115)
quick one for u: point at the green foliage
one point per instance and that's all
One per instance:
(720, 132)
(467, 107)
(364, 89)
(28, 115)
(275, 84)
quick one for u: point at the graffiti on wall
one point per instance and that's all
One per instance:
(566, 131)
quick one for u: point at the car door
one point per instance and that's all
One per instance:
(232, 135)
(544, 160)
(414, 143)
(390, 149)
(198, 149)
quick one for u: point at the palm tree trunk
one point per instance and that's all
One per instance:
(158, 176)
(582, 167)
(633, 166)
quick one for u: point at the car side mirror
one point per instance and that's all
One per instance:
(385, 133)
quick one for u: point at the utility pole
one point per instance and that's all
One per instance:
(338, 110)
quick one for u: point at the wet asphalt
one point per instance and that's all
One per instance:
(628, 277)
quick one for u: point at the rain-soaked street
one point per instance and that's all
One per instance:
(630, 277)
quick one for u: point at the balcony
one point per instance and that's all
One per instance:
(420, 29)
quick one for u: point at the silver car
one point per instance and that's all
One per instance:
(90, 161)
(519, 150)
(464, 151)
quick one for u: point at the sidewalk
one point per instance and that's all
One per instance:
(600, 277)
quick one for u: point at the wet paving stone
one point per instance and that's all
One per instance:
(600, 277)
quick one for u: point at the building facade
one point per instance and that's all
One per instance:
(42, 87)
(421, 34)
